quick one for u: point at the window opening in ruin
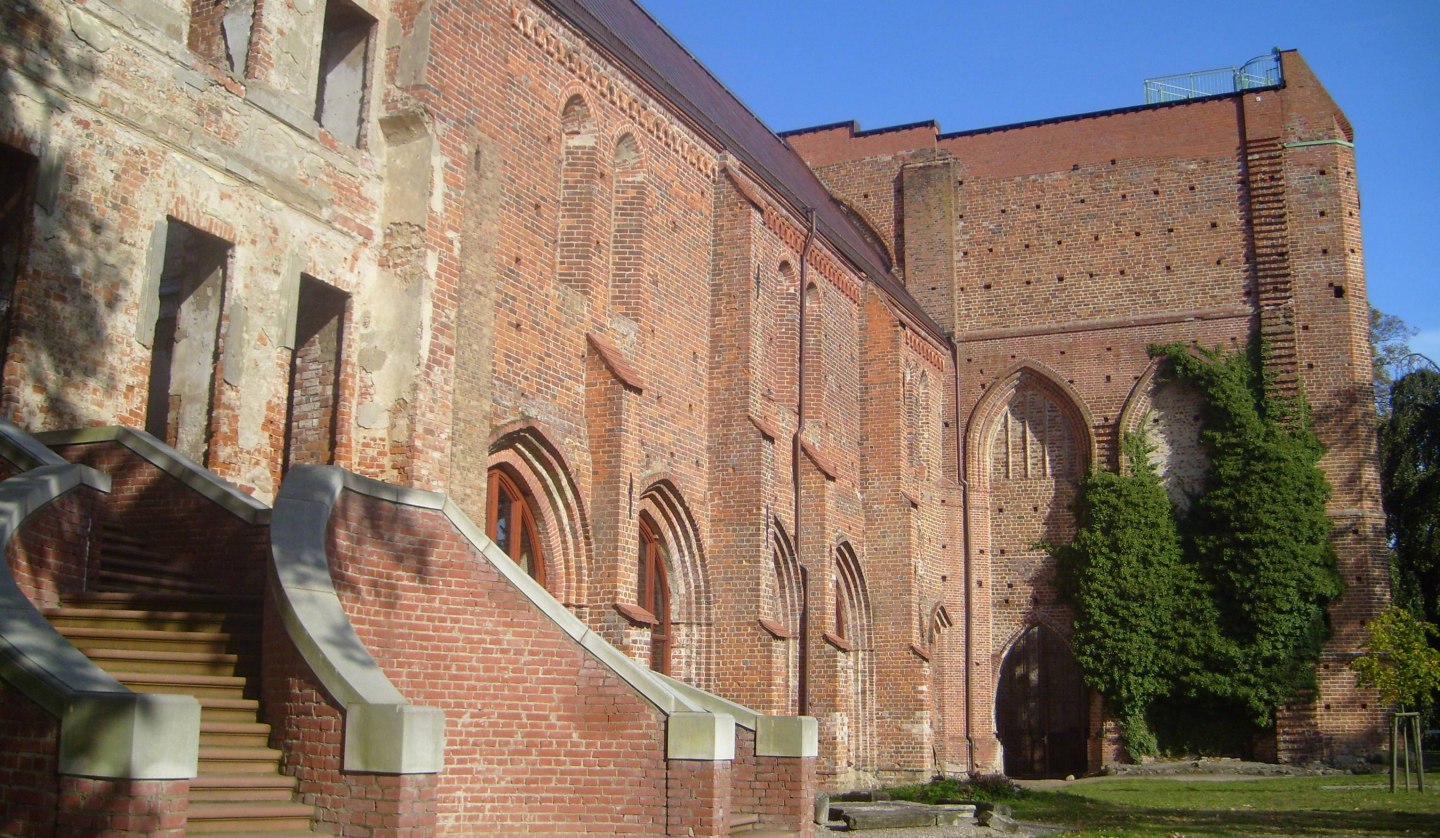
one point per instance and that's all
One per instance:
(220, 31)
(186, 347)
(654, 593)
(17, 195)
(510, 523)
(344, 68)
(311, 425)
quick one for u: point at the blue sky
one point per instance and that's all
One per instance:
(799, 63)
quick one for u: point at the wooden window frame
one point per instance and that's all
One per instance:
(652, 593)
(522, 512)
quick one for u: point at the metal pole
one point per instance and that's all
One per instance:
(1394, 755)
(1419, 752)
(1405, 735)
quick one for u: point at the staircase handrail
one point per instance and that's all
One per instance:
(221, 492)
(316, 621)
(25, 451)
(384, 732)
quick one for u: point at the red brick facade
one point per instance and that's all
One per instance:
(1057, 252)
(843, 444)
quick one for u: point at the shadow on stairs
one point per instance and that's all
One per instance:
(156, 630)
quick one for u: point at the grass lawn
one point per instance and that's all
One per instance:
(1338, 805)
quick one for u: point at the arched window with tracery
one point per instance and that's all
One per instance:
(653, 592)
(510, 523)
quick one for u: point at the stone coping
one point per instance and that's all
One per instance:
(384, 733)
(775, 736)
(25, 451)
(106, 730)
(221, 492)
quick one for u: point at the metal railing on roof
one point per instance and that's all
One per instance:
(1261, 71)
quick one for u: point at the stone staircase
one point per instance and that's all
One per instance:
(157, 631)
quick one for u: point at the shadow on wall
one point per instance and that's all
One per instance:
(1350, 418)
(389, 529)
(60, 288)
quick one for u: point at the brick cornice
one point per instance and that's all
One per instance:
(1105, 323)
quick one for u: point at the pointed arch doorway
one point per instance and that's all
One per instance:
(1041, 707)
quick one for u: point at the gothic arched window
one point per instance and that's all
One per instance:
(653, 593)
(510, 523)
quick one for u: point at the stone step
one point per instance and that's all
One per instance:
(136, 582)
(237, 604)
(234, 734)
(123, 558)
(150, 620)
(140, 639)
(900, 814)
(228, 710)
(249, 818)
(200, 686)
(143, 660)
(224, 760)
(221, 788)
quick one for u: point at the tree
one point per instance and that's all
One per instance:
(1390, 353)
(1410, 481)
(1219, 611)
(1399, 660)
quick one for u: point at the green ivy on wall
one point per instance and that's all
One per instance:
(1221, 605)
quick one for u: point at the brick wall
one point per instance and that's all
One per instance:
(29, 787)
(779, 791)
(539, 734)
(97, 808)
(1063, 249)
(308, 727)
(52, 555)
(176, 521)
(570, 256)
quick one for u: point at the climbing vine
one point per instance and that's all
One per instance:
(1125, 574)
(1222, 605)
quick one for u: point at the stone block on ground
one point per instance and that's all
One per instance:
(899, 814)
